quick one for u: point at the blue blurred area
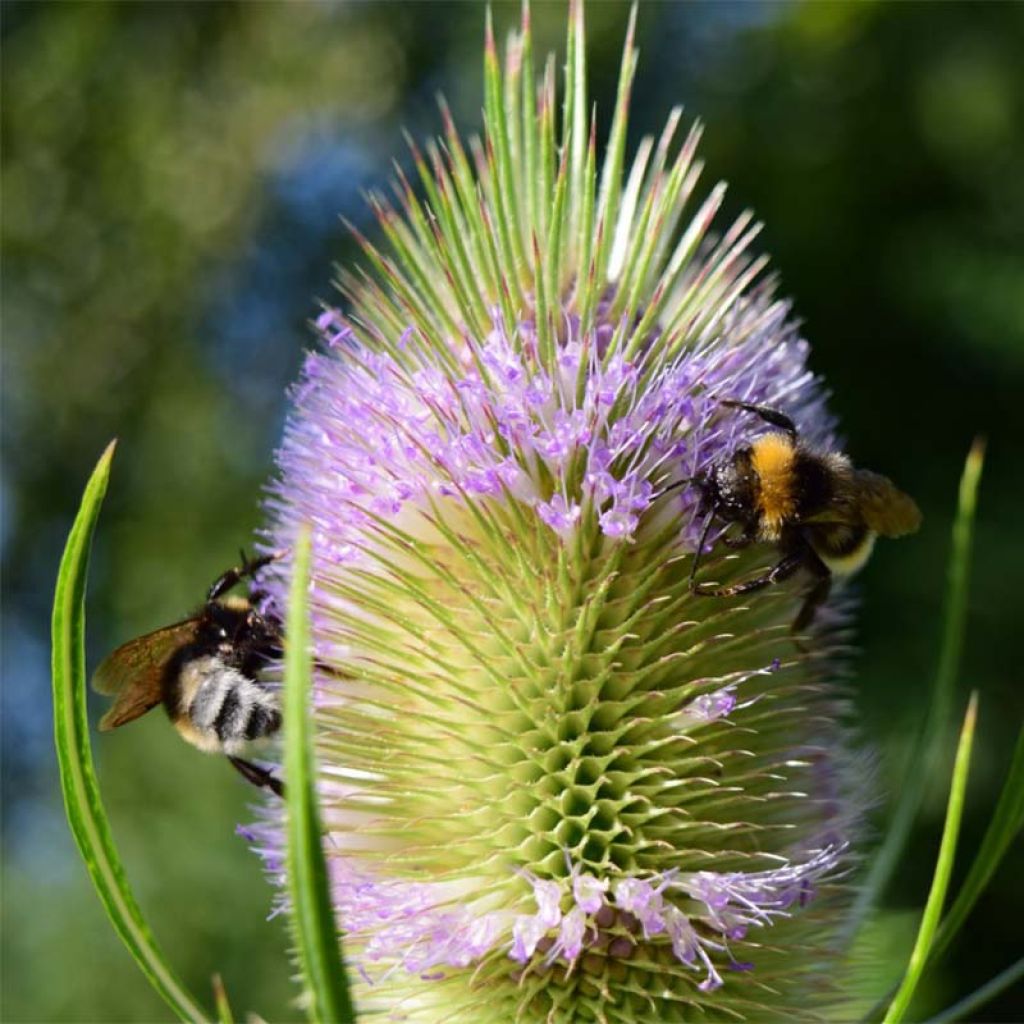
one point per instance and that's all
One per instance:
(318, 176)
(174, 177)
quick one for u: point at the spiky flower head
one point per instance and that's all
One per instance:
(556, 784)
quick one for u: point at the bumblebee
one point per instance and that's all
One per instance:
(821, 513)
(204, 671)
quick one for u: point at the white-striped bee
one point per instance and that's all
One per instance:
(204, 670)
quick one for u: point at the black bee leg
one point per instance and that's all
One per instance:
(700, 550)
(669, 488)
(225, 582)
(769, 415)
(741, 540)
(815, 596)
(258, 776)
(780, 572)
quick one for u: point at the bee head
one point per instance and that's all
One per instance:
(226, 619)
(729, 486)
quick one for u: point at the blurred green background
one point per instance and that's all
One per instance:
(172, 180)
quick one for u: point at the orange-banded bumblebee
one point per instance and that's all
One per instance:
(204, 671)
(821, 513)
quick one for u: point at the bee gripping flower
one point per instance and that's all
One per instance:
(556, 784)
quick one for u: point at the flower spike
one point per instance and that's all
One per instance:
(556, 784)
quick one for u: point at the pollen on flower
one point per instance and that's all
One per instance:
(724, 906)
(558, 513)
(710, 706)
(588, 892)
(555, 783)
(332, 327)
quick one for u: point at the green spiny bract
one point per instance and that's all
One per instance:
(558, 785)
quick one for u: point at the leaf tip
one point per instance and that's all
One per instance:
(103, 463)
(976, 456)
(972, 713)
(490, 46)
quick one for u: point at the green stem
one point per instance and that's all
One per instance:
(926, 749)
(943, 869)
(82, 802)
(316, 935)
(963, 1009)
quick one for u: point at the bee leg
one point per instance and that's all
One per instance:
(815, 596)
(741, 540)
(223, 583)
(258, 776)
(769, 415)
(700, 550)
(780, 572)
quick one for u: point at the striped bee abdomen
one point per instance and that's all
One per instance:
(219, 708)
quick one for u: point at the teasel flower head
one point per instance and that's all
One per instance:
(555, 784)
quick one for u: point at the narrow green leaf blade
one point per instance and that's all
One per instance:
(943, 869)
(926, 748)
(965, 1008)
(221, 1001)
(316, 934)
(1006, 824)
(82, 802)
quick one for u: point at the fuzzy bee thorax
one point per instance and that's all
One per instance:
(773, 459)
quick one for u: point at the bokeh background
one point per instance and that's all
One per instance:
(173, 176)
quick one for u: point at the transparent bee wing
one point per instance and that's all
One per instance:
(132, 703)
(835, 514)
(883, 507)
(134, 672)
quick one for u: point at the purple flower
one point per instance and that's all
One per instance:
(542, 756)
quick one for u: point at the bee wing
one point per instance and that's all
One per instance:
(134, 672)
(883, 507)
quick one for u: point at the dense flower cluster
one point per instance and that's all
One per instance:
(502, 426)
(556, 784)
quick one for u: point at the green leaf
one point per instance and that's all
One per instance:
(316, 934)
(927, 748)
(82, 802)
(1006, 824)
(965, 1008)
(943, 869)
(221, 1001)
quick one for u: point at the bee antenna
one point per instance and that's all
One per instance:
(775, 417)
(674, 486)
